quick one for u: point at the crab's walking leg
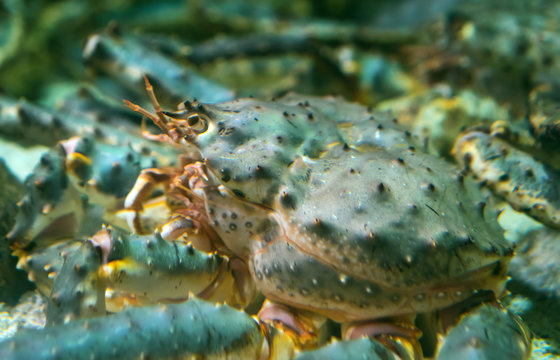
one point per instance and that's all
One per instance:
(50, 209)
(78, 292)
(140, 192)
(139, 269)
(363, 348)
(153, 269)
(525, 183)
(487, 333)
(196, 329)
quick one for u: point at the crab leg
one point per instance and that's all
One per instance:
(487, 333)
(349, 349)
(525, 183)
(54, 204)
(194, 329)
(50, 209)
(78, 291)
(138, 269)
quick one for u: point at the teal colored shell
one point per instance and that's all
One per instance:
(379, 227)
(251, 145)
(379, 234)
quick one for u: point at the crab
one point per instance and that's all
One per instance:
(327, 209)
(329, 216)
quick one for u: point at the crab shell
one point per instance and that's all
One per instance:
(351, 225)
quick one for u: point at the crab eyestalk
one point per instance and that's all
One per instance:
(182, 124)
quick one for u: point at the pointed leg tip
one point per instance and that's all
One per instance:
(147, 82)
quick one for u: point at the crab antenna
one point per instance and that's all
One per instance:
(155, 104)
(160, 120)
(139, 109)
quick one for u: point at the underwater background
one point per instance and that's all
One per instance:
(439, 66)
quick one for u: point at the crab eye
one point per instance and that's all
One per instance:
(198, 123)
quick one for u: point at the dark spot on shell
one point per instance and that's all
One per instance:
(467, 159)
(310, 116)
(322, 229)
(287, 200)
(248, 224)
(481, 205)
(226, 174)
(379, 127)
(232, 226)
(428, 187)
(259, 275)
(262, 172)
(407, 133)
(268, 234)
(504, 177)
(529, 172)
(238, 193)
(224, 215)
(45, 159)
(285, 113)
(400, 160)
(381, 188)
(234, 215)
(79, 269)
(40, 183)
